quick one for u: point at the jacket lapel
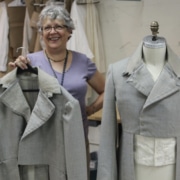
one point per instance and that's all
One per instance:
(41, 113)
(139, 76)
(14, 98)
(165, 86)
(141, 79)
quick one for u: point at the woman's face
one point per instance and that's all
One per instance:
(54, 34)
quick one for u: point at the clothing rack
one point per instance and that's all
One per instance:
(87, 1)
(57, 2)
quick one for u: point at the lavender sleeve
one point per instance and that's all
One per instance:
(91, 68)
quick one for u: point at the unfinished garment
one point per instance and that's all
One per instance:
(41, 129)
(147, 108)
(4, 31)
(152, 154)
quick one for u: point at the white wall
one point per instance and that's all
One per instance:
(125, 23)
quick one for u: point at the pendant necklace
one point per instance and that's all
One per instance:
(64, 66)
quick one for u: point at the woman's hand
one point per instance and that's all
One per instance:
(20, 62)
(90, 110)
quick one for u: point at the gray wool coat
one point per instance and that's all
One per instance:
(41, 129)
(146, 108)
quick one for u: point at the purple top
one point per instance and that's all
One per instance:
(75, 78)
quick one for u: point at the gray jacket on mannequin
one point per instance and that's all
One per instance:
(146, 108)
(41, 129)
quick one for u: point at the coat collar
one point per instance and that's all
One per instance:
(46, 82)
(136, 60)
(13, 97)
(139, 77)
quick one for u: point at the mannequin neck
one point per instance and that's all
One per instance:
(154, 59)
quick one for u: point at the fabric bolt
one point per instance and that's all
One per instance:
(41, 132)
(4, 45)
(75, 79)
(145, 108)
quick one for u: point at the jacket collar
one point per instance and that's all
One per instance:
(139, 77)
(15, 100)
(136, 60)
(46, 82)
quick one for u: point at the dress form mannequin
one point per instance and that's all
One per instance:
(154, 57)
(154, 52)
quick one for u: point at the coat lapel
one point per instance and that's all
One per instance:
(41, 113)
(141, 79)
(165, 86)
(14, 98)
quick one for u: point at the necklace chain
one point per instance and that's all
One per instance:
(60, 60)
(64, 66)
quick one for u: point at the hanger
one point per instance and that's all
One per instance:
(30, 69)
(16, 3)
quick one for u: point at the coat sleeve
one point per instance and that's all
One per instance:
(107, 166)
(75, 149)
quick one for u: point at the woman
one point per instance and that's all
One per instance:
(72, 69)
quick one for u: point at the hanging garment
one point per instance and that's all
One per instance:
(27, 33)
(4, 30)
(78, 41)
(94, 36)
(87, 36)
(146, 108)
(41, 129)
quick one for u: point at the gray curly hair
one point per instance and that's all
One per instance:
(55, 12)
